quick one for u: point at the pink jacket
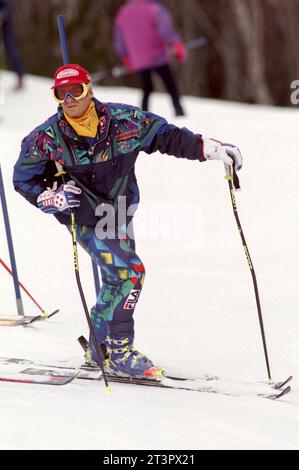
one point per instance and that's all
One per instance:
(143, 33)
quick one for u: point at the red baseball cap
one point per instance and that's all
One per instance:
(69, 74)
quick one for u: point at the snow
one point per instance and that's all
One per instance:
(197, 313)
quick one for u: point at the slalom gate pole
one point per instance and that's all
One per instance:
(19, 302)
(65, 56)
(233, 184)
(61, 172)
(96, 278)
(63, 41)
(23, 287)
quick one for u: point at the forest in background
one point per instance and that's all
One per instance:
(251, 55)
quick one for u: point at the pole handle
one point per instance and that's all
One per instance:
(231, 175)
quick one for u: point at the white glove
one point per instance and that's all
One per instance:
(229, 154)
(57, 200)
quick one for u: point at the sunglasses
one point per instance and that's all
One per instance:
(77, 91)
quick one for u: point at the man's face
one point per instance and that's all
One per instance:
(74, 98)
(76, 108)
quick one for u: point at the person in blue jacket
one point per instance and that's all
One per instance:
(9, 40)
(97, 145)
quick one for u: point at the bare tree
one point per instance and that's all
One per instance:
(249, 26)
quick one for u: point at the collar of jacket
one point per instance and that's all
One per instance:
(103, 126)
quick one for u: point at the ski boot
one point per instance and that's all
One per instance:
(124, 360)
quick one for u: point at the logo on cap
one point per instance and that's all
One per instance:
(67, 73)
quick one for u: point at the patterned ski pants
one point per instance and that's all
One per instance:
(122, 275)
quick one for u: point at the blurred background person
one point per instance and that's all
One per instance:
(145, 40)
(9, 40)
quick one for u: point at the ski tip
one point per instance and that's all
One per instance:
(280, 385)
(276, 396)
(284, 392)
(53, 313)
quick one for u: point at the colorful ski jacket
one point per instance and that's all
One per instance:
(143, 32)
(104, 168)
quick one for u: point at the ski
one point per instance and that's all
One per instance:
(13, 370)
(16, 364)
(213, 379)
(50, 376)
(275, 396)
(42, 317)
(178, 385)
(39, 376)
(24, 320)
(280, 385)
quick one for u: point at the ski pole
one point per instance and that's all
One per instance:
(120, 70)
(233, 183)
(61, 172)
(19, 302)
(100, 355)
(24, 288)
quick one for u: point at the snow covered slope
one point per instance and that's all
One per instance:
(197, 313)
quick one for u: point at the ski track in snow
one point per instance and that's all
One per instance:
(197, 313)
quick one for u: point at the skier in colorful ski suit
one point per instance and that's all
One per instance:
(97, 145)
(145, 40)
